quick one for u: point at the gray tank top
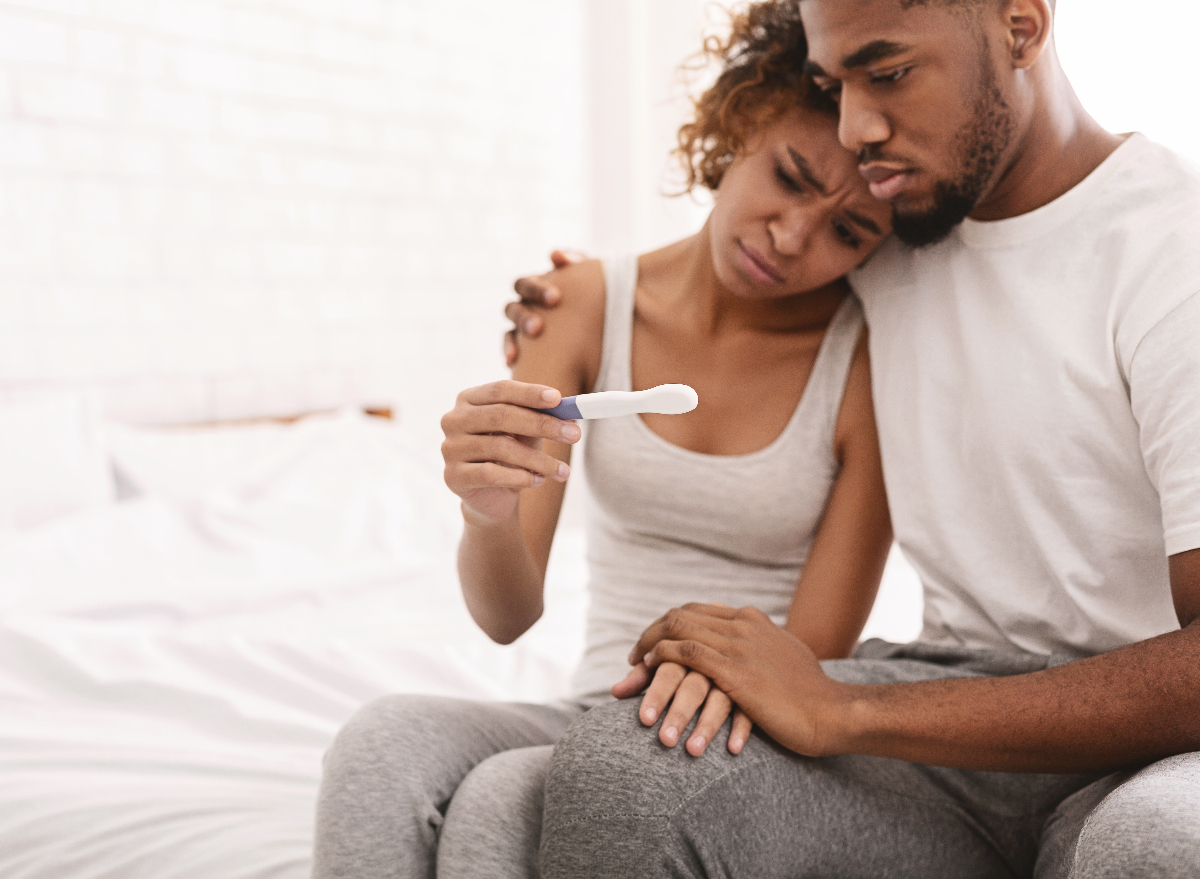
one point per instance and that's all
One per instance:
(667, 525)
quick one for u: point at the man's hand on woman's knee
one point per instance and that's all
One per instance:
(685, 692)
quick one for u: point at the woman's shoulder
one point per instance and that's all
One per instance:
(582, 287)
(573, 330)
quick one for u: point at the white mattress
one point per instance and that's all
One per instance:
(172, 667)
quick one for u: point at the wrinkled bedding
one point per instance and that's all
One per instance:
(173, 666)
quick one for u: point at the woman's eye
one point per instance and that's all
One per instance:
(845, 234)
(784, 178)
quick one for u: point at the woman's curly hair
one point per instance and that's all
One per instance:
(762, 76)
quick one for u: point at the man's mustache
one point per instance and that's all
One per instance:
(870, 154)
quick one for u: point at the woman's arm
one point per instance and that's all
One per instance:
(512, 487)
(841, 577)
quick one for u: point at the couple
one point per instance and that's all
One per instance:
(1034, 327)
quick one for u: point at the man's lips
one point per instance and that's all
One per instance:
(885, 181)
(759, 267)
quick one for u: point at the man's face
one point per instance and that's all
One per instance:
(921, 105)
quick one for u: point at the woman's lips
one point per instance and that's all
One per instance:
(758, 266)
(885, 182)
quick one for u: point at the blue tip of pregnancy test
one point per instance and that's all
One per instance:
(568, 410)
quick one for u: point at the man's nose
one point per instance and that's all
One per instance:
(860, 123)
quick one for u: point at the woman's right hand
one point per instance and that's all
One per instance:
(493, 446)
(686, 692)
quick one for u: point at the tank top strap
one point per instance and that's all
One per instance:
(822, 399)
(620, 288)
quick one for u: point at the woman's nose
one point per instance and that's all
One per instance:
(792, 229)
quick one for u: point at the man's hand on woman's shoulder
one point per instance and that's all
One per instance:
(537, 292)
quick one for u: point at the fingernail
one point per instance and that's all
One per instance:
(671, 734)
(649, 714)
(697, 743)
(735, 745)
(570, 431)
(563, 471)
(527, 326)
(632, 657)
(549, 396)
(538, 479)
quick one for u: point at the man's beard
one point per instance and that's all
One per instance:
(982, 142)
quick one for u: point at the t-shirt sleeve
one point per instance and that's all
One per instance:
(1165, 394)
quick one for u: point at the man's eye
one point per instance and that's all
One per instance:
(831, 88)
(891, 76)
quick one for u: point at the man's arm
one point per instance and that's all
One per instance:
(1124, 708)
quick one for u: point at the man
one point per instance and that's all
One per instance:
(1035, 343)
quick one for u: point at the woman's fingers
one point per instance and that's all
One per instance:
(493, 445)
(508, 451)
(508, 407)
(666, 681)
(514, 392)
(633, 683)
(688, 698)
(739, 734)
(712, 717)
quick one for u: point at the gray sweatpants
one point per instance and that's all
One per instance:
(619, 804)
(416, 786)
(422, 786)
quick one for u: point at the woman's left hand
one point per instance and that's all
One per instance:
(685, 691)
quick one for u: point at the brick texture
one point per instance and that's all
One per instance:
(217, 208)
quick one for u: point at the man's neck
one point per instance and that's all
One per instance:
(1061, 146)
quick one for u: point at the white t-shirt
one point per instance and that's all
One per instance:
(1037, 384)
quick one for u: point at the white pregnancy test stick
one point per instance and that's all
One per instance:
(662, 400)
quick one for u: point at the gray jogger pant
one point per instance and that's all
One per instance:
(418, 786)
(619, 804)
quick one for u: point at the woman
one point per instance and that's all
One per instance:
(769, 493)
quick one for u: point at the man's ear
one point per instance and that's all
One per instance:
(1028, 25)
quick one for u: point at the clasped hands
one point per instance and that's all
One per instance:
(724, 659)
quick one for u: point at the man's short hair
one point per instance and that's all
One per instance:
(961, 4)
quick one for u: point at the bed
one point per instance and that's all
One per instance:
(187, 616)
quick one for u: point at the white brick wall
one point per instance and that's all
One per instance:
(215, 208)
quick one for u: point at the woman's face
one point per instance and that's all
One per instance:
(792, 213)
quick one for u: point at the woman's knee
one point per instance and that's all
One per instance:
(1147, 827)
(382, 727)
(614, 793)
(494, 822)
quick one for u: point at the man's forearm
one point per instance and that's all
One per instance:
(1124, 708)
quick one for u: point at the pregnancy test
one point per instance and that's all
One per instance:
(662, 400)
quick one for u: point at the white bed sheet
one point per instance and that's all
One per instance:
(173, 667)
